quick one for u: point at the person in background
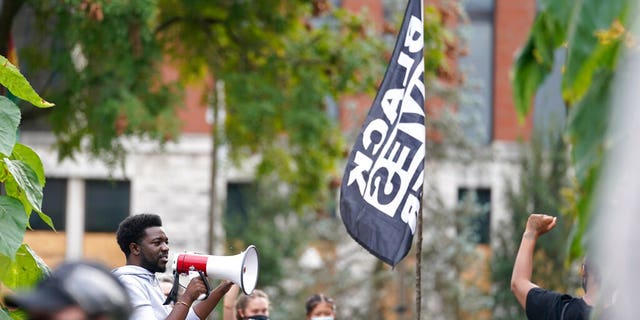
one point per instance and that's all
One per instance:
(76, 290)
(320, 307)
(254, 306)
(146, 248)
(545, 304)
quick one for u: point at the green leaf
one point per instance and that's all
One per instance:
(584, 208)
(5, 262)
(4, 315)
(27, 181)
(535, 61)
(13, 222)
(586, 54)
(29, 157)
(14, 315)
(12, 79)
(587, 126)
(13, 190)
(46, 220)
(527, 75)
(26, 270)
(9, 121)
(559, 11)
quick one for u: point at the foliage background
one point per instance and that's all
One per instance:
(544, 186)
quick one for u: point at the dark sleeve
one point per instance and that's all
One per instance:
(544, 304)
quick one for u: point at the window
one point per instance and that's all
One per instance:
(476, 108)
(480, 219)
(107, 202)
(393, 10)
(54, 203)
(240, 203)
(239, 199)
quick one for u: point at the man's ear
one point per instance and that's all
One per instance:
(134, 248)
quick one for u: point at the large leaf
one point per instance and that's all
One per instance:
(30, 158)
(560, 11)
(584, 205)
(27, 181)
(587, 53)
(9, 121)
(13, 222)
(527, 75)
(587, 126)
(550, 28)
(13, 315)
(594, 32)
(4, 315)
(26, 270)
(13, 189)
(587, 131)
(5, 262)
(12, 79)
(535, 61)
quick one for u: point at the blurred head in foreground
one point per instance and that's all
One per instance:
(75, 291)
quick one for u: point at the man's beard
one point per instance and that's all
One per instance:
(153, 266)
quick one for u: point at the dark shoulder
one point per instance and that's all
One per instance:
(546, 304)
(577, 309)
(542, 295)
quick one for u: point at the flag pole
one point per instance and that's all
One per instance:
(419, 265)
(419, 222)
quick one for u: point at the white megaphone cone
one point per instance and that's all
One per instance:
(241, 269)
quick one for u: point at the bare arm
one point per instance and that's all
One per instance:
(537, 225)
(192, 292)
(204, 308)
(229, 312)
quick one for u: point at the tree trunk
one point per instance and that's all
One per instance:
(8, 12)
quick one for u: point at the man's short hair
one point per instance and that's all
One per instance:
(132, 229)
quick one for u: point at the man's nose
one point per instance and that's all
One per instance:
(164, 247)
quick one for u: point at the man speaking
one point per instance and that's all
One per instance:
(146, 248)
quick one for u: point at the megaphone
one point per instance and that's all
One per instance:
(241, 269)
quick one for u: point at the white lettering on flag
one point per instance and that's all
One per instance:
(395, 148)
(381, 191)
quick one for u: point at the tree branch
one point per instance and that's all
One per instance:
(166, 24)
(8, 12)
(204, 21)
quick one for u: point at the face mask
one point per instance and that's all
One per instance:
(322, 318)
(259, 317)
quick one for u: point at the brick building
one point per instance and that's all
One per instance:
(79, 192)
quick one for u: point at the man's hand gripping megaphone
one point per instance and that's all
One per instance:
(193, 274)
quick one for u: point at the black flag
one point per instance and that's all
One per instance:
(381, 190)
